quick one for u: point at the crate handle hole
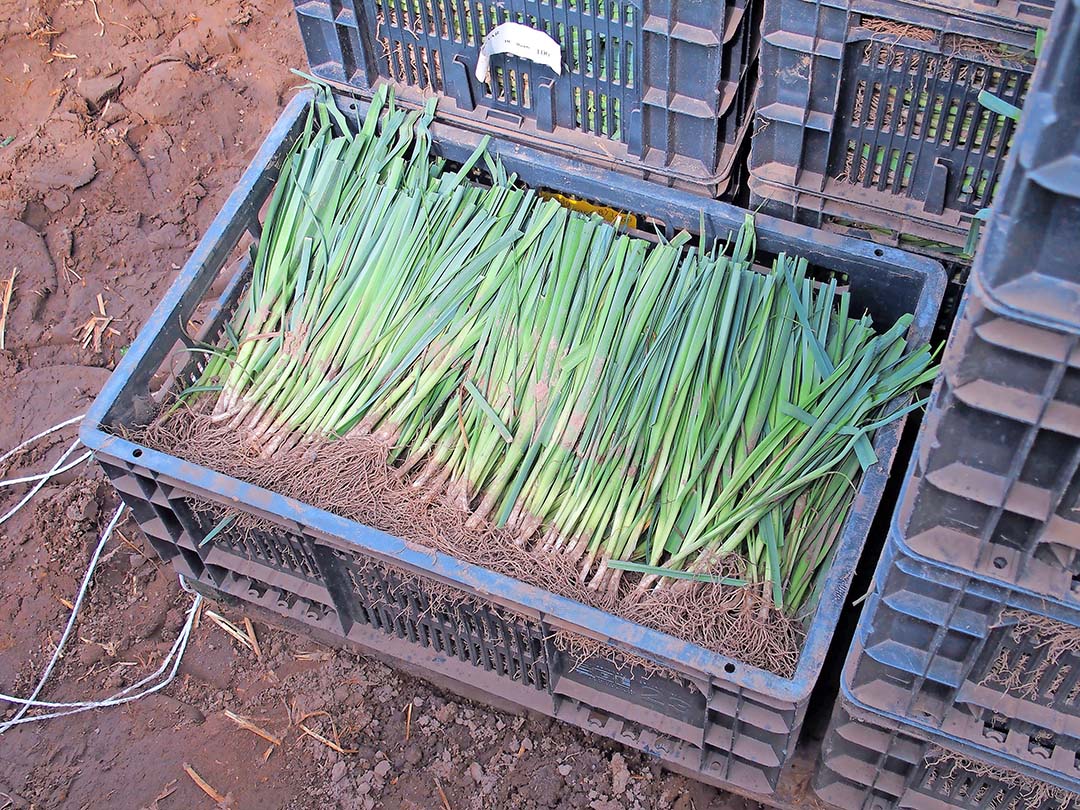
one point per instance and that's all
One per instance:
(1000, 562)
(729, 668)
(136, 452)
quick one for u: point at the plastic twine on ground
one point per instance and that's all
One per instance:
(42, 478)
(166, 672)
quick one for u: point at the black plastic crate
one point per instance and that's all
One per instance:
(1027, 258)
(994, 484)
(972, 662)
(866, 121)
(703, 713)
(657, 88)
(869, 762)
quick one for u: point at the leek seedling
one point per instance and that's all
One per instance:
(645, 408)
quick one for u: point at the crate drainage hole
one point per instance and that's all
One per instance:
(879, 252)
(1000, 562)
(729, 668)
(136, 453)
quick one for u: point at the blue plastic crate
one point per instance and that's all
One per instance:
(870, 762)
(710, 716)
(994, 482)
(869, 119)
(972, 664)
(1026, 261)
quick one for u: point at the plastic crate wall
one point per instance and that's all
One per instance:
(994, 483)
(862, 122)
(717, 733)
(871, 763)
(716, 718)
(659, 88)
(972, 661)
(1026, 261)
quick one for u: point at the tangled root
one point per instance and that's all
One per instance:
(582, 648)
(897, 30)
(741, 623)
(949, 765)
(1011, 670)
(351, 477)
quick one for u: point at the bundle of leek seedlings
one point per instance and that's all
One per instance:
(638, 406)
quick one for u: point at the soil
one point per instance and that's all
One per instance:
(123, 126)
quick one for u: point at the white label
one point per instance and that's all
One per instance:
(519, 40)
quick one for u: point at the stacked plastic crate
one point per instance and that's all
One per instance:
(869, 119)
(661, 89)
(962, 686)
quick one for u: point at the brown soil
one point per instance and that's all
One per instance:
(128, 134)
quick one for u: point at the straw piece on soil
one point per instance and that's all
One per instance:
(245, 723)
(328, 743)
(5, 306)
(229, 628)
(204, 786)
(250, 628)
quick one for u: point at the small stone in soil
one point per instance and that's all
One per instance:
(337, 773)
(90, 654)
(620, 774)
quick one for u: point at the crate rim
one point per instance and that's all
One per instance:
(988, 18)
(870, 634)
(998, 590)
(664, 647)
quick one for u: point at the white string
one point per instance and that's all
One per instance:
(44, 478)
(29, 478)
(171, 662)
(170, 665)
(41, 435)
(105, 535)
